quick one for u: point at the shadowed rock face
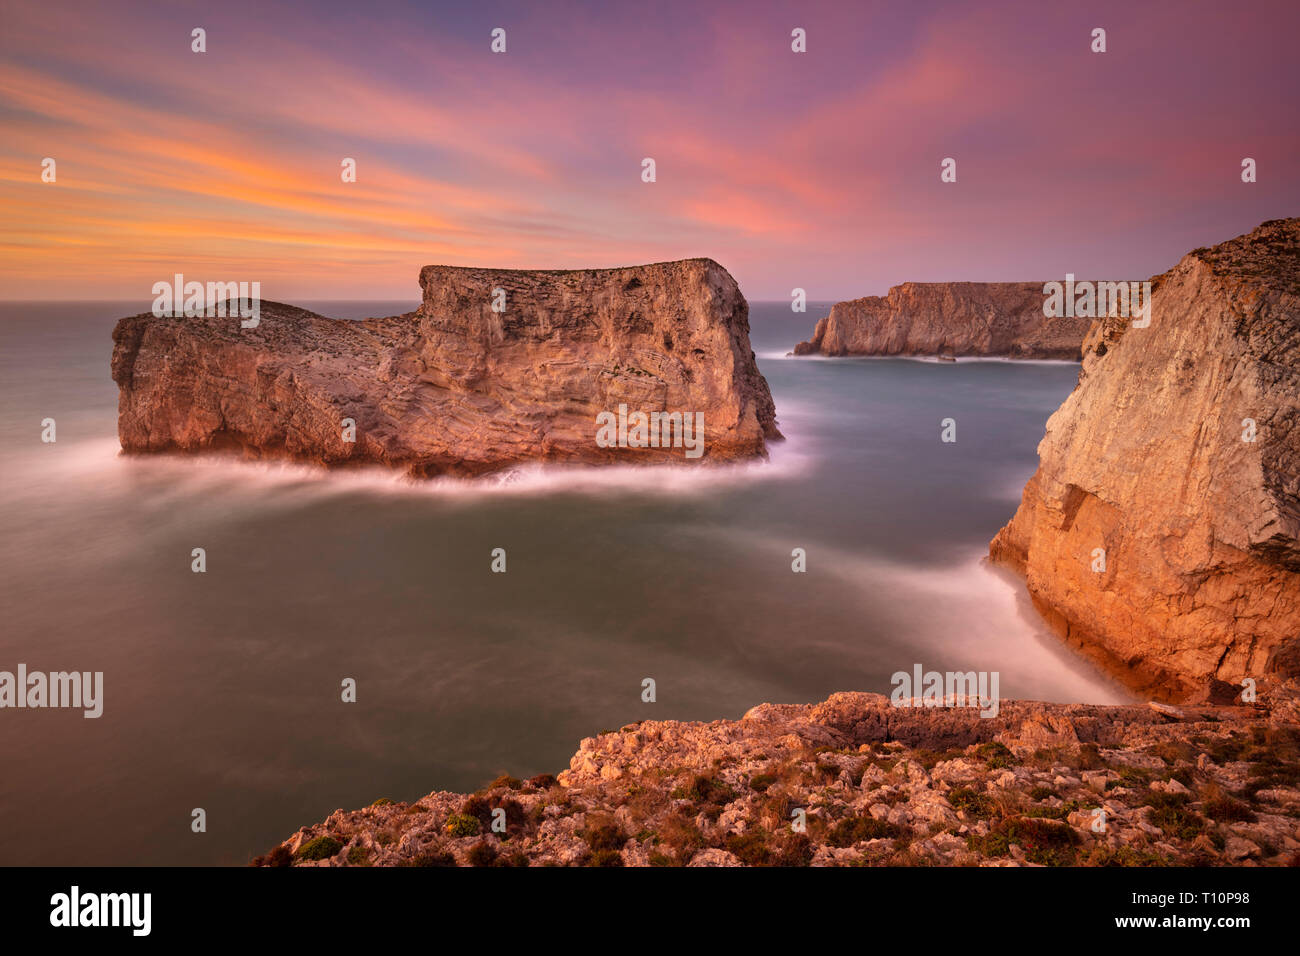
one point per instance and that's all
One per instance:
(950, 318)
(454, 387)
(1146, 460)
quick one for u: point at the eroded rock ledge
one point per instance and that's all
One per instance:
(948, 318)
(878, 784)
(455, 387)
(1161, 532)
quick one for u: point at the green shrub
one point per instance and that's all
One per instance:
(358, 856)
(462, 825)
(321, 848)
(973, 803)
(1044, 842)
(996, 755)
(1169, 812)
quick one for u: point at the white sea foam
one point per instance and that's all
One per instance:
(101, 462)
(969, 613)
(923, 359)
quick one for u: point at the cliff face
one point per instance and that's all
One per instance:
(1151, 459)
(876, 784)
(955, 318)
(456, 387)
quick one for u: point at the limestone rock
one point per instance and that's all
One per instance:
(1178, 453)
(948, 318)
(721, 793)
(455, 387)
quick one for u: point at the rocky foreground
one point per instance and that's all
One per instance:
(496, 368)
(856, 781)
(948, 318)
(1161, 532)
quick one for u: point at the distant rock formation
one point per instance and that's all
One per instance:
(1161, 532)
(456, 387)
(876, 784)
(949, 318)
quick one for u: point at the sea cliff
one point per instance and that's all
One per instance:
(1160, 534)
(496, 368)
(949, 318)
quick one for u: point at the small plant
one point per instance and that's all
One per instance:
(749, 847)
(853, 830)
(431, 858)
(793, 849)
(605, 835)
(321, 848)
(1170, 814)
(280, 856)
(462, 825)
(1222, 808)
(1043, 842)
(704, 789)
(996, 755)
(358, 856)
(974, 804)
(482, 853)
(1103, 855)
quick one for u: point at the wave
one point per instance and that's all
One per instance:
(966, 615)
(101, 462)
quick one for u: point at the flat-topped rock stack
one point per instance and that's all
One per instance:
(496, 368)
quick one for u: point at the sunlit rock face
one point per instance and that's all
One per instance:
(496, 368)
(1161, 532)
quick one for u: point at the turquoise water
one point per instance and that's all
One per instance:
(222, 690)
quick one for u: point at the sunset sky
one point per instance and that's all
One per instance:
(817, 170)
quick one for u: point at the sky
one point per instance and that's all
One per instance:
(816, 170)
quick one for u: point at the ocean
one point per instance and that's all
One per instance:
(222, 690)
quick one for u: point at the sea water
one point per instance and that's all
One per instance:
(222, 690)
